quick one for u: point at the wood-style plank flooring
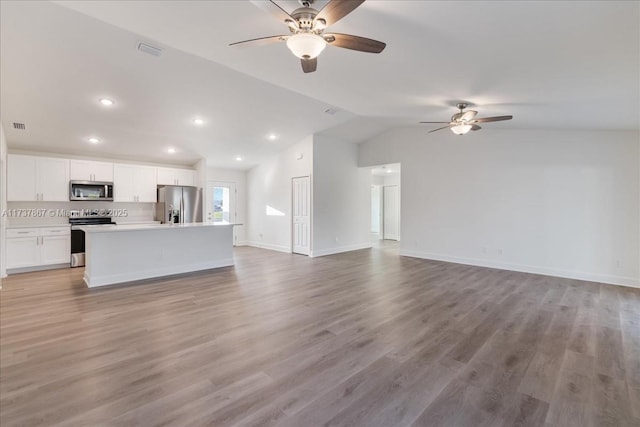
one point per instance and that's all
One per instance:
(365, 338)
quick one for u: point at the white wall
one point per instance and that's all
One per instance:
(341, 198)
(562, 203)
(3, 201)
(240, 179)
(269, 186)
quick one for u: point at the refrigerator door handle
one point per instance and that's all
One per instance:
(182, 210)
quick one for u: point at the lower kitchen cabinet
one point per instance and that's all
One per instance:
(38, 246)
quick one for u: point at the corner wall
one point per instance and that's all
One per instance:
(269, 196)
(341, 198)
(3, 202)
(562, 203)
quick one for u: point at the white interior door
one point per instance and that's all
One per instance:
(391, 213)
(301, 215)
(221, 204)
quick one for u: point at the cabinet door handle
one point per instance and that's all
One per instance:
(23, 232)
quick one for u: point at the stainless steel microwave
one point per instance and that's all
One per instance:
(90, 191)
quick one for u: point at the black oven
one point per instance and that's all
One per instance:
(77, 235)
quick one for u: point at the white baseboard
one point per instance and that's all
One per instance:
(578, 275)
(270, 247)
(112, 279)
(340, 249)
(19, 270)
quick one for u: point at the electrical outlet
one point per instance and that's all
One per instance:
(485, 249)
(337, 240)
(618, 264)
(500, 251)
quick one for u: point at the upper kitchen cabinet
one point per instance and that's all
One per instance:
(34, 178)
(86, 170)
(171, 176)
(134, 183)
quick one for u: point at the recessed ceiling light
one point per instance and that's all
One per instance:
(272, 136)
(389, 171)
(106, 102)
(171, 150)
(94, 140)
(198, 122)
(238, 158)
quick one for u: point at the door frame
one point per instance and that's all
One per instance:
(310, 254)
(398, 213)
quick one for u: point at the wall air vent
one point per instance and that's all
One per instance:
(151, 50)
(19, 126)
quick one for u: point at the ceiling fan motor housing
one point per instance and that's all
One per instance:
(304, 16)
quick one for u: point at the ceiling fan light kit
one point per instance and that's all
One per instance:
(460, 129)
(306, 45)
(306, 25)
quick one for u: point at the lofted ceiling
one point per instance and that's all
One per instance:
(553, 65)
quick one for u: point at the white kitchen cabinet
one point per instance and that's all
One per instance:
(33, 178)
(87, 170)
(22, 252)
(145, 185)
(33, 247)
(172, 176)
(134, 183)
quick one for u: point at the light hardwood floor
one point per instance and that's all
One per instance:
(365, 338)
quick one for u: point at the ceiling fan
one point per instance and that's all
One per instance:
(464, 121)
(307, 25)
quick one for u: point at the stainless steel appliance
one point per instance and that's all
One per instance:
(90, 190)
(178, 204)
(77, 235)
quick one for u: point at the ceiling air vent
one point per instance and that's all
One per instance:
(151, 50)
(19, 126)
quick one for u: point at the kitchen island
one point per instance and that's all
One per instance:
(124, 253)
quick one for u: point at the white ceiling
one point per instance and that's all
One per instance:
(564, 65)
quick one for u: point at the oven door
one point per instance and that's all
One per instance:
(77, 248)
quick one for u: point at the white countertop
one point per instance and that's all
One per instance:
(138, 227)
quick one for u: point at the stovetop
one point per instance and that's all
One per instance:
(91, 220)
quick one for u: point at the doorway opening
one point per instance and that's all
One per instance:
(385, 202)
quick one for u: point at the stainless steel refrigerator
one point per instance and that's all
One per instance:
(179, 204)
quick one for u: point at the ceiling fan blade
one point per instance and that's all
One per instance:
(475, 127)
(435, 122)
(443, 127)
(335, 10)
(349, 41)
(260, 42)
(309, 65)
(492, 119)
(468, 115)
(271, 7)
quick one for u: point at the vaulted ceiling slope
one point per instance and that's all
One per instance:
(553, 65)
